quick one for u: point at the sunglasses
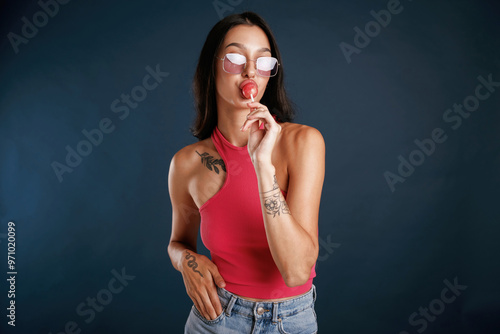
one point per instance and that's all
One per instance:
(234, 63)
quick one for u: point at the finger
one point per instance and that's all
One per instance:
(255, 105)
(201, 306)
(265, 116)
(257, 108)
(254, 127)
(217, 276)
(258, 111)
(216, 304)
(254, 112)
(198, 307)
(251, 118)
(248, 123)
(260, 114)
(209, 307)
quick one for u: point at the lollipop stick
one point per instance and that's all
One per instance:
(251, 95)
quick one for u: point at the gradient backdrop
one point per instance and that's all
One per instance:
(406, 95)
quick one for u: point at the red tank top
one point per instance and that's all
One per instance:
(232, 229)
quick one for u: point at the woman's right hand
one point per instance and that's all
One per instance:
(200, 277)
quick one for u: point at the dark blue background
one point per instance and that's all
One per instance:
(383, 253)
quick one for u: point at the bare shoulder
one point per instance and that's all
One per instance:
(197, 171)
(185, 159)
(184, 168)
(295, 136)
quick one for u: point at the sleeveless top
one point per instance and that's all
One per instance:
(232, 229)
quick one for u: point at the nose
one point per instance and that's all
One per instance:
(250, 68)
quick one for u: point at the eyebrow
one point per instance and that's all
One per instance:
(241, 46)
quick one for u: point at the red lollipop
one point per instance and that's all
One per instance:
(249, 90)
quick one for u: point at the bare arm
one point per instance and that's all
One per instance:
(292, 224)
(185, 215)
(199, 273)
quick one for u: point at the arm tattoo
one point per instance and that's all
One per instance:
(210, 162)
(273, 202)
(192, 263)
(275, 182)
(275, 205)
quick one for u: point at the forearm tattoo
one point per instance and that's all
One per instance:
(211, 163)
(192, 263)
(275, 183)
(274, 203)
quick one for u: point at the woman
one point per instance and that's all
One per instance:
(252, 185)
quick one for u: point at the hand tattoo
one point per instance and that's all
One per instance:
(210, 162)
(192, 263)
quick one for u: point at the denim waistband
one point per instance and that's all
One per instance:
(266, 309)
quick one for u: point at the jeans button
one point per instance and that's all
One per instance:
(260, 311)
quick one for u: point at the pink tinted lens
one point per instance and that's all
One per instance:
(234, 63)
(267, 66)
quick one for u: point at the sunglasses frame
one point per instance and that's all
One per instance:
(255, 60)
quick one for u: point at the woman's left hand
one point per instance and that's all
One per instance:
(261, 141)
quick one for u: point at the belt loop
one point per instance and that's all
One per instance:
(275, 312)
(314, 293)
(230, 305)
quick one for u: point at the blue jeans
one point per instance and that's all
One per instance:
(240, 316)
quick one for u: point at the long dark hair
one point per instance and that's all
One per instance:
(275, 97)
